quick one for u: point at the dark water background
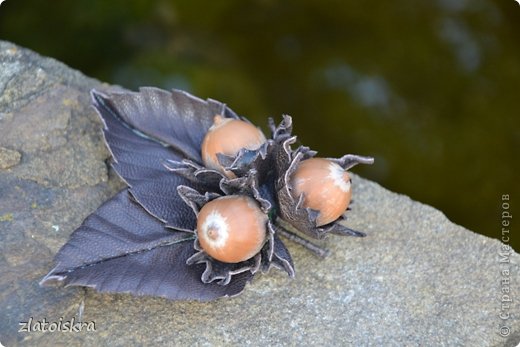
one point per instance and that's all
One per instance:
(431, 89)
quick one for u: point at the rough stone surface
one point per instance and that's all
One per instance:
(415, 280)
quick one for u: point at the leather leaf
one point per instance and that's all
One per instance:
(139, 160)
(121, 248)
(177, 118)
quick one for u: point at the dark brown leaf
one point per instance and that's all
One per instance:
(121, 248)
(139, 160)
(176, 118)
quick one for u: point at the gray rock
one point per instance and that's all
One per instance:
(415, 280)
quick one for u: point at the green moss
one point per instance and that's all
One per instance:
(8, 217)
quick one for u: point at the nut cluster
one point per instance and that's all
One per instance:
(233, 228)
(207, 199)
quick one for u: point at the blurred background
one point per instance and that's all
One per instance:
(431, 89)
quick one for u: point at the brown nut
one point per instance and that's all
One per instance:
(231, 228)
(326, 188)
(228, 136)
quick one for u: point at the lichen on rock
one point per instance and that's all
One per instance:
(9, 158)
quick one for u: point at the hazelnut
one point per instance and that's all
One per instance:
(231, 228)
(326, 188)
(228, 136)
